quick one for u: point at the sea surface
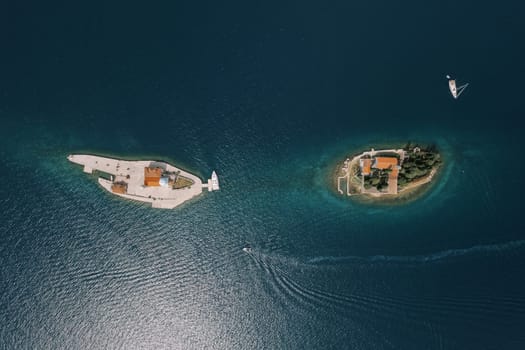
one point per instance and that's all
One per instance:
(272, 96)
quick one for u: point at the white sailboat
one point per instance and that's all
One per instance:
(455, 90)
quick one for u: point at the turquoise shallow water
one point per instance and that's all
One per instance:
(271, 98)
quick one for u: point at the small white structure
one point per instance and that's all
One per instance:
(164, 181)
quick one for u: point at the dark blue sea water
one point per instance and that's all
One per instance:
(271, 96)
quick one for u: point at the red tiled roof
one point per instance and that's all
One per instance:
(119, 187)
(365, 169)
(394, 173)
(385, 162)
(152, 176)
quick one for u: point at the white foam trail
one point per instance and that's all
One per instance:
(442, 255)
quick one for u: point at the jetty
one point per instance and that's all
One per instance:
(156, 182)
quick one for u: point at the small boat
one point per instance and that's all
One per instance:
(247, 249)
(214, 181)
(455, 90)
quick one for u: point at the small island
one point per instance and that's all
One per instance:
(156, 182)
(388, 173)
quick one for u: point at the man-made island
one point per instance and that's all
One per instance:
(388, 173)
(159, 183)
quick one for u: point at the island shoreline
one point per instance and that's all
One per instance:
(406, 194)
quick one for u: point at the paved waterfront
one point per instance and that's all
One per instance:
(132, 172)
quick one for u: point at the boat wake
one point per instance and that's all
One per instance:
(305, 288)
(430, 258)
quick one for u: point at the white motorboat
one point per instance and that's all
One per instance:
(214, 181)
